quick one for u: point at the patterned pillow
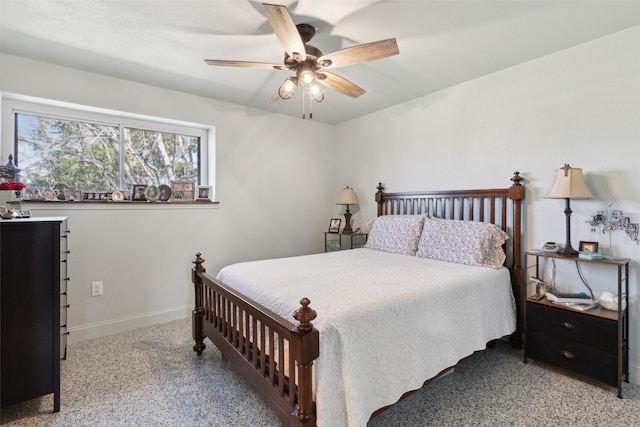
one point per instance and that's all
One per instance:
(395, 233)
(463, 242)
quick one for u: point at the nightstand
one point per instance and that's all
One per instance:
(592, 343)
(333, 241)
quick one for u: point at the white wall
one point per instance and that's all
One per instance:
(580, 106)
(273, 176)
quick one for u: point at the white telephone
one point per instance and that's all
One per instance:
(550, 247)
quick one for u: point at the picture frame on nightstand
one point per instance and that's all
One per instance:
(334, 225)
(588, 246)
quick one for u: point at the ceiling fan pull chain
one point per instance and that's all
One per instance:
(303, 104)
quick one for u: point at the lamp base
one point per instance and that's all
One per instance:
(568, 251)
(347, 223)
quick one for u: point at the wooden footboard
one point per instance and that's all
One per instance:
(273, 354)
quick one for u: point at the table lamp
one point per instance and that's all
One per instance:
(347, 197)
(568, 184)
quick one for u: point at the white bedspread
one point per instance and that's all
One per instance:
(387, 322)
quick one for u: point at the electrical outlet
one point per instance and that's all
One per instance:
(97, 289)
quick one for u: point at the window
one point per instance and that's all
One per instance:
(92, 155)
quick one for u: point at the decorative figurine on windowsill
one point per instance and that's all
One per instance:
(9, 172)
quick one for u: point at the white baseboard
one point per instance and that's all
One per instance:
(114, 326)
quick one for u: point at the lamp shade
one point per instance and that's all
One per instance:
(347, 197)
(569, 184)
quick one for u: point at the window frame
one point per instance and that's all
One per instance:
(10, 108)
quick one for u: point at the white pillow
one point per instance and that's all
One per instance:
(463, 242)
(395, 233)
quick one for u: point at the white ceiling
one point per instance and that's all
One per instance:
(163, 43)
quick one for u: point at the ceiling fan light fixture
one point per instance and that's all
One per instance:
(316, 92)
(288, 88)
(307, 78)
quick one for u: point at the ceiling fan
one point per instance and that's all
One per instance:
(308, 63)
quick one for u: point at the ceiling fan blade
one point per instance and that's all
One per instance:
(339, 84)
(246, 64)
(359, 54)
(286, 30)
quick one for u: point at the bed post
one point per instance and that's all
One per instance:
(379, 193)
(516, 194)
(198, 311)
(310, 342)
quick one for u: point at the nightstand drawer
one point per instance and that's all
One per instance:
(573, 326)
(575, 357)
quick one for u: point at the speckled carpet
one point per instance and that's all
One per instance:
(152, 377)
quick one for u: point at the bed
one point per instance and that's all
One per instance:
(390, 317)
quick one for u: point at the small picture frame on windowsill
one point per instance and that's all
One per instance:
(204, 193)
(137, 194)
(182, 191)
(72, 195)
(334, 225)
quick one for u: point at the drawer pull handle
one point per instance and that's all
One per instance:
(567, 355)
(568, 325)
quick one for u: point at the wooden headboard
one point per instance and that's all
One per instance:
(500, 206)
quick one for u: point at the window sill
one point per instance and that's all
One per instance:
(109, 204)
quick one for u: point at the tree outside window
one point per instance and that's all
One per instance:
(90, 156)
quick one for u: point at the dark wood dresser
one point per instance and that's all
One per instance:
(32, 303)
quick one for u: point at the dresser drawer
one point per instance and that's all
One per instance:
(573, 326)
(575, 357)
